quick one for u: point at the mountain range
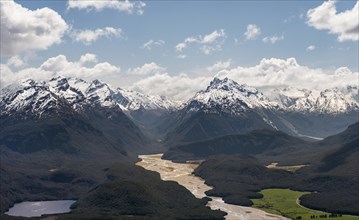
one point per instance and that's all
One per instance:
(67, 114)
(224, 107)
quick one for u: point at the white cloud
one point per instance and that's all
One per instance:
(15, 61)
(60, 66)
(252, 32)
(23, 29)
(182, 56)
(310, 48)
(287, 72)
(152, 43)
(212, 37)
(146, 69)
(183, 45)
(88, 58)
(344, 24)
(179, 87)
(89, 36)
(207, 44)
(273, 39)
(219, 66)
(268, 74)
(126, 6)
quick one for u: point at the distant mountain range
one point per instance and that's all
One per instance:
(78, 93)
(224, 107)
(227, 107)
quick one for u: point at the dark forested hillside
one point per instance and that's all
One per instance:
(333, 175)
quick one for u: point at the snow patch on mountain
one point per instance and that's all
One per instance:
(227, 96)
(222, 96)
(29, 97)
(330, 101)
(38, 97)
(137, 100)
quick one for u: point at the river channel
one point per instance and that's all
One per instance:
(182, 173)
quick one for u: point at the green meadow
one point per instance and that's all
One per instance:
(285, 202)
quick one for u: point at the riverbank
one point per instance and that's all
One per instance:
(182, 174)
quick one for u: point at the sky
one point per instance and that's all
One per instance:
(175, 48)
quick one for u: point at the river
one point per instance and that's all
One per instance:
(182, 173)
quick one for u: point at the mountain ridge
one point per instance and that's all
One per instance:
(300, 112)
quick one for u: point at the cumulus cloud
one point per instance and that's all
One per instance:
(15, 61)
(252, 32)
(310, 48)
(344, 24)
(207, 44)
(287, 72)
(179, 87)
(273, 39)
(59, 65)
(126, 6)
(88, 58)
(89, 36)
(268, 74)
(153, 79)
(23, 29)
(146, 69)
(219, 66)
(152, 43)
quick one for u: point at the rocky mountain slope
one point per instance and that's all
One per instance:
(226, 107)
(70, 114)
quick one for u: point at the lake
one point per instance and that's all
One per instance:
(39, 208)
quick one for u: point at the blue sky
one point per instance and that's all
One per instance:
(170, 23)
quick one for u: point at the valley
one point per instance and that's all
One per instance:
(182, 173)
(179, 110)
(67, 139)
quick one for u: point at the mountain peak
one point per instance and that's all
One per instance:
(227, 96)
(329, 101)
(227, 84)
(97, 82)
(217, 81)
(28, 83)
(222, 83)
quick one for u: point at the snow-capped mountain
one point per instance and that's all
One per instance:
(226, 107)
(67, 114)
(31, 98)
(134, 100)
(38, 97)
(328, 101)
(227, 96)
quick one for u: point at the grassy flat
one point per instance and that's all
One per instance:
(285, 202)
